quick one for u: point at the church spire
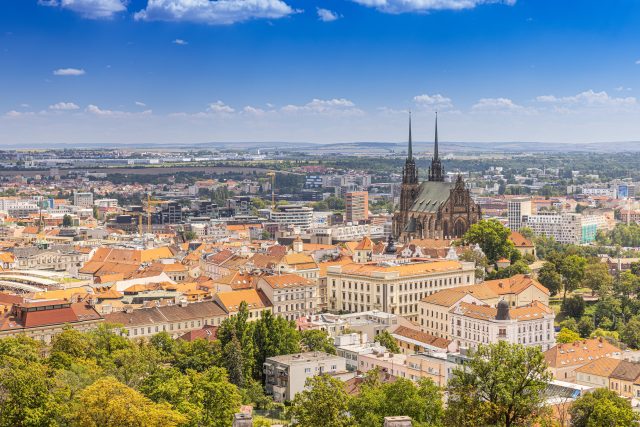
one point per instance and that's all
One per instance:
(410, 150)
(436, 171)
(410, 172)
(435, 148)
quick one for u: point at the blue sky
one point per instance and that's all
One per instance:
(186, 71)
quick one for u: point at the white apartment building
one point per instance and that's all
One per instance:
(611, 192)
(19, 208)
(393, 288)
(530, 325)
(106, 203)
(84, 199)
(285, 376)
(565, 227)
(516, 209)
(298, 216)
(347, 233)
(291, 295)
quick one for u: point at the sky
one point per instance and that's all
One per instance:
(196, 71)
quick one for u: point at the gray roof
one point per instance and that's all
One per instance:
(432, 194)
(171, 313)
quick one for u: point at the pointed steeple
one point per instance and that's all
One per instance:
(435, 148)
(436, 171)
(410, 150)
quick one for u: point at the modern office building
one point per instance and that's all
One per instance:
(357, 206)
(516, 209)
(84, 199)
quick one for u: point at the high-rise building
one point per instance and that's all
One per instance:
(84, 200)
(517, 208)
(357, 206)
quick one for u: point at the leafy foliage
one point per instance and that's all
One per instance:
(501, 385)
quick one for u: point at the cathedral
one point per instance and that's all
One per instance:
(433, 209)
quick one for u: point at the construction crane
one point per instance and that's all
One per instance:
(272, 174)
(150, 204)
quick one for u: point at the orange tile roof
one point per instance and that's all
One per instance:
(286, 281)
(422, 337)
(519, 240)
(411, 269)
(602, 367)
(231, 300)
(343, 260)
(580, 352)
(365, 244)
(514, 284)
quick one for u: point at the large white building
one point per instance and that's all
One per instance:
(565, 227)
(530, 325)
(390, 287)
(285, 376)
(84, 199)
(516, 209)
(298, 216)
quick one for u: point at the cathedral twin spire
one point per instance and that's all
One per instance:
(436, 170)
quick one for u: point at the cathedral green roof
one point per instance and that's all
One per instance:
(432, 194)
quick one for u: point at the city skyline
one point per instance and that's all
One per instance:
(192, 71)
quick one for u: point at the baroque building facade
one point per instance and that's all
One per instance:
(433, 209)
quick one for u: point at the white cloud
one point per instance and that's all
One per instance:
(13, 114)
(326, 15)
(220, 107)
(140, 104)
(219, 12)
(97, 111)
(253, 110)
(496, 105)
(403, 6)
(638, 62)
(64, 106)
(180, 42)
(69, 72)
(337, 106)
(91, 9)
(588, 98)
(436, 101)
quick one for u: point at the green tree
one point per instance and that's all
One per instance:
(68, 347)
(190, 235)
(602, 407)
(26, 394)
(67, 221)
(566, 335)
(273, 336)
(317, 340)
(109, 403)
(323, 403)
(216, 397)
(630, 334)
(597, 278)
(585, 326)
(574, 306)
(550, 278)
(234, 362)
(493, 238)
(572, 269)
(501, 385)
(198, 355)
(422, 401)
(387, 340)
